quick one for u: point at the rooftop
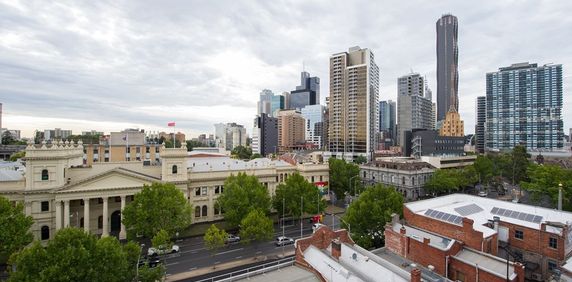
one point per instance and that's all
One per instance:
(486, 262)
(229, 164)
(10, 175)
(437, 241)
(452, 207)
(287, 274)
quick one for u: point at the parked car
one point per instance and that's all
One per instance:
(281, 241)
(151, 261)
(483, 194)
(162, 251)
(231, 239)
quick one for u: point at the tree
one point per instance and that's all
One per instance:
(545, 180)
(255, 156)
(161, 240)
(214, 239)
(243, 193)
(74, 255)
(241, 152)
(468, 176)
(158, 206)
(191, 144)
(151, 274)
(341, 173)
(14, 229)
(18, 155)
(169, 143)
(256, 226)
(484, 168)
(294, 190)
(367, 216)
(444, 181)
(360, 160)
(7, 138)
(520, 163)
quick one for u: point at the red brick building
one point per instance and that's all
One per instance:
(476, 228)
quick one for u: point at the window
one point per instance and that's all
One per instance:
(403, 180)
(100, 222)
(460, 276)
(198, 191)
(45, 175)
(138, 150)
(81, 222)
(45, 206)
(519, 234)
(174, 169)
(99, 200)
(205, 209)
(552, 265)
(553, 243)
(312, 179)
(146, 149)
(197, 211)
(117, 199)
(204, 191)
(216, 210)
(321, 178)
(45, 232)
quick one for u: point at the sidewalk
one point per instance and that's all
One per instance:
(224, 266)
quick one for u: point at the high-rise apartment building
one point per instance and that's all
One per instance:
(387, 124)
(265, 135)
(291, 130)
(447, 66)
(524, 107)
(354, 103)
(414, 111)
(230, 135)
(481, 118)
(308, 93)
(57, 133)
(314, 118)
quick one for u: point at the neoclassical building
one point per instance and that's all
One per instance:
(58, 190)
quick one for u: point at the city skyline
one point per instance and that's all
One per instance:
(107, 67)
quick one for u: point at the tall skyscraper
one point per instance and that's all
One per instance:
(308, 93)
(447, 66)
(481, 118)
(230, 135)
(265, 102)
(354, 103)
(415, 111)
(314, 118)
(524, 107)
(291, 130)
(387, 110)
(265, 135)
(276, 104)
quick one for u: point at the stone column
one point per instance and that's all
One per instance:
(58, 205)
(28, 206)
(67, 213)
(86, 215)
(122, 233)
(105, 231)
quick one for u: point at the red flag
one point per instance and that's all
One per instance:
(171, 124)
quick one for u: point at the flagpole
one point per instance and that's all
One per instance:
(126, 145)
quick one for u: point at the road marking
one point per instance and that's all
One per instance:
(173, 263)
(193, 268)
(192, 251)
(238, 257)
(259, 252)
(216, 262)
(222, 253)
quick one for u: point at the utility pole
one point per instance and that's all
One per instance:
(301, 213)
(283, 206)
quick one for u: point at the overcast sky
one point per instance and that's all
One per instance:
(110, 65)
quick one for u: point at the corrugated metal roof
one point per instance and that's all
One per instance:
(10, 175)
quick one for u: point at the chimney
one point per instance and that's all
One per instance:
(415, 275)
(336, 249)
(426, 241)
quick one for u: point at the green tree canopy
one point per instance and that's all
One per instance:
(520, 164)
(18, 155)
(161, 240)
(340, 174)
(214, 239)
(544, 180)
(158, 206)
(360, 160)
(14, 229)
(293, 190)
(74, 255)
(193, 144)
(484, 168)
(367, 216)
(242, 153)
(243, 193)
(255, 156)
(256, 226)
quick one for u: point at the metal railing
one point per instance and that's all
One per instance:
(253, 271)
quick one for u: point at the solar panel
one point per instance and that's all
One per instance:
(443, 216)
(468, 209)
(440, 215)
(517, 215)
(459, 220)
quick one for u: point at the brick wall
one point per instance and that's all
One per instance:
(457, 267)
(465, 234)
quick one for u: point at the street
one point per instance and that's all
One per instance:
(194, 255)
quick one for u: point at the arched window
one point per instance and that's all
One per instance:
(100, 222)
(403, 180)
(45, 232)
(413, 180)
(174, 169)
(197, 211)
(45, 175)
(205, 209)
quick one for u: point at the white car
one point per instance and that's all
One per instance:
(483, 194)
(161, 251)
(281, 241)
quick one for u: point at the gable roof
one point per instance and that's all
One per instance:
(130, 179)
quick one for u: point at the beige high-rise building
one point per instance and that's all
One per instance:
(452, 125)
(291, 129)
(354, 104)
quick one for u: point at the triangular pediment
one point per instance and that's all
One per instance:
(110, 180)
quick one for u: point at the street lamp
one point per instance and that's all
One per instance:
(138, 259)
